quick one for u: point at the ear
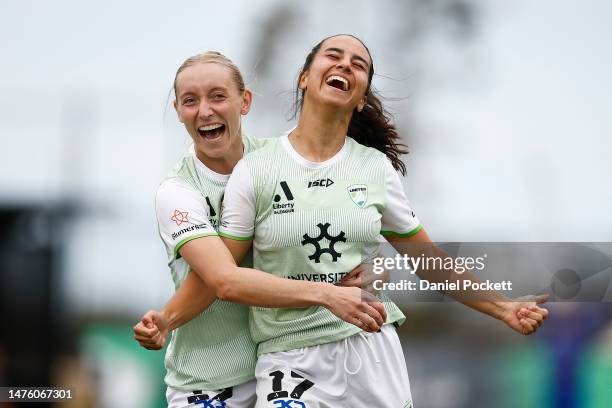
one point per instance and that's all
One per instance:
(175, 104)
(362, 104)
(247, 98)
(303, 80)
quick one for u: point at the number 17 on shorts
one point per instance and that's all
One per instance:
(287, 391)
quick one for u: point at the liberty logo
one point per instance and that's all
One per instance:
(218, 401)
(212, 214)
(211, 210)
(282, 398)
(286, 190)
(286, 207)
(358, 193)
(316, 243)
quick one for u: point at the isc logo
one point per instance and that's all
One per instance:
(320, 183)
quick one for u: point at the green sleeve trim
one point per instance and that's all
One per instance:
(234, 237)
(400, 235)
(178, 246)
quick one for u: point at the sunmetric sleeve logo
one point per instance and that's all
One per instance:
(316, 243)
(180, 217)
(358, 193)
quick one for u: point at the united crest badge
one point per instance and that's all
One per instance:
(359, 194)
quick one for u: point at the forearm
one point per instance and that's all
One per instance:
(256, 288)
(191, 299)
(486, 301)
(215, 265)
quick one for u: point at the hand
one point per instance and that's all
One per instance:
(357, 307)
(151, 331)
(524, 315)
(363, 276)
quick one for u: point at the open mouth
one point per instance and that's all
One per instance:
(211, 131)
(338, 82)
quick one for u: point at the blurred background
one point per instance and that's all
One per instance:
(503, 105)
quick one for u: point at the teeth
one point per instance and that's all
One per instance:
(209, 127)
(345, 84)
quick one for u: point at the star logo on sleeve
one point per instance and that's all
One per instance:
(180, 217)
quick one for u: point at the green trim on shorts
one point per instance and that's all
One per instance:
(394, 234)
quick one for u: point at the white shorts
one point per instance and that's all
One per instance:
(365, 370)
(238, 396)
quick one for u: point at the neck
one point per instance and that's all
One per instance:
(226, 163)
(223, 165)
(320, 132)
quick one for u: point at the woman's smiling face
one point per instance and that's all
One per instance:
(209, 104)
(339, 74)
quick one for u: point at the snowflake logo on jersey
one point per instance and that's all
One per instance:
(323, 234)
(179, 217)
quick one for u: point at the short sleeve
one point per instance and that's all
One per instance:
(398, 218)
(182, 215)
(238, 214)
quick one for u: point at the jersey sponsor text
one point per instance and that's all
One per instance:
(319, 277)
(188, 229)
(283, 208)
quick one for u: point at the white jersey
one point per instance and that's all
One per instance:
(215, 349)
(315, 222)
